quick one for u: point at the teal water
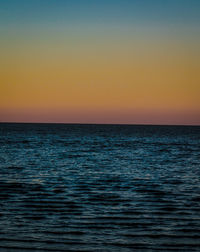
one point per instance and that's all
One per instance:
(66, 187)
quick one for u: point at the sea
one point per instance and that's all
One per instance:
(87, 187)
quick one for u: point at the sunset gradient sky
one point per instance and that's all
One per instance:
(100, 61)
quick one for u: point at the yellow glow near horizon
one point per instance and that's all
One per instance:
(76, 73)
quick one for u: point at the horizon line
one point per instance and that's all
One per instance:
(125, 124)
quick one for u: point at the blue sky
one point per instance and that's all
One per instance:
(172, 11)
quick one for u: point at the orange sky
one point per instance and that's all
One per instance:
(102, 74)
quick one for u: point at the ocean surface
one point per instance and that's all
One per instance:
(70, 187)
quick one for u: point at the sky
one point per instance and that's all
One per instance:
(92, 61)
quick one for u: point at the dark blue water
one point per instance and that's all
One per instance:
(99, 188)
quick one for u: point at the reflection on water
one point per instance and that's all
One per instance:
(99, 188)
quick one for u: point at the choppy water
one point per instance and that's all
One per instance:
(99, 188)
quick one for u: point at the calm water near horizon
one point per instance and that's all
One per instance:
(75, 187)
